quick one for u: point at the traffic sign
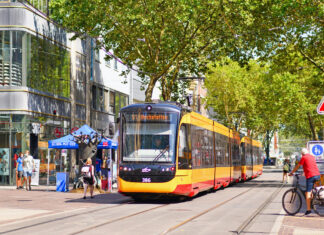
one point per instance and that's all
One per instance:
(320, 107)
(316, 148)
(58, 132)
(74, 129)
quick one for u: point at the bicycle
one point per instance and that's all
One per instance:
(292, 200)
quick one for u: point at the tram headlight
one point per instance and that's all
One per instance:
(148, 108)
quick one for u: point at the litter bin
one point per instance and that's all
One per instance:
(62, 182)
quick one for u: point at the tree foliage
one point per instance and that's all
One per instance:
(164, 39)
(170, 39)
(281, 95)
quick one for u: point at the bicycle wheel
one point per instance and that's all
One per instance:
(318, 206)
(291, 201)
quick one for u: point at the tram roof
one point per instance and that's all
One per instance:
(247, 139)
(161, 104)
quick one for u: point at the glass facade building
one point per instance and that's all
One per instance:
(28, 60)
(43, 82)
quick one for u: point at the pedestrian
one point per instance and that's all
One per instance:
(286, 170)
(104, 173)
(28, 167)
(311, 172)
(19, 170)
(88, 177)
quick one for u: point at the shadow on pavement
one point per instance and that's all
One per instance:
(107, 198)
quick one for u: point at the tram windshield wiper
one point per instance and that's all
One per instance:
(161, 154)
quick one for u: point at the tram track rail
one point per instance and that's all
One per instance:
(240, 228)
(251, 218)
(117, 219)
(238, 231)
(204, 212)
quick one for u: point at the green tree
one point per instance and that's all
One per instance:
(232, 92)
(303, 87)
(160, 37)
(164, 37)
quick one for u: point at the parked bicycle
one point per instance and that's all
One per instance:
(292, 199)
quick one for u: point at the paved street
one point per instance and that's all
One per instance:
(253, 207)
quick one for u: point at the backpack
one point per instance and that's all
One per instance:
(86, 172)
(286, 167)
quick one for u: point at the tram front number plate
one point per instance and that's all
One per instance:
(146, 180)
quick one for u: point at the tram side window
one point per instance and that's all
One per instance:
(235, 153)
(197, 138)
(220, 146)
(242, 153)
(249, 158)
(206, 148)
(227, 159)
(184, 161)
(255, 156)
(259, 156)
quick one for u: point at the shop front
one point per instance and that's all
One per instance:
(19, 132)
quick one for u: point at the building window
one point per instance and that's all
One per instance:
(120, 102)
(101, 99)
(27, 60)
(97, 55)
(107, 62)
(111, 102)
(94, 97)
(115, 64)
(48, 66)
(80, 79)
(5, 58)
(106, 97)
(41, 5)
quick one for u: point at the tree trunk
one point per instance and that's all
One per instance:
(267, 142)
(312, 128)
(149, 89)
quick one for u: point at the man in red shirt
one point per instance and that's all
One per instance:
(311, 172)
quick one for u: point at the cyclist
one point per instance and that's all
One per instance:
(312, 174)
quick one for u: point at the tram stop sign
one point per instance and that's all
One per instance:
(316, 148)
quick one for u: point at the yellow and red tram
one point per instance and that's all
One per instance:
(252, 164)
(166, 149)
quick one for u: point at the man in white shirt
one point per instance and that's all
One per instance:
(28, 167)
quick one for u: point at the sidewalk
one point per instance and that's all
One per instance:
(285, 224)
(42, 201)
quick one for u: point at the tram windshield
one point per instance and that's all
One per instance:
(149, 137)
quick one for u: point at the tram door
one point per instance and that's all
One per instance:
(230, 159)
(249, 159)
